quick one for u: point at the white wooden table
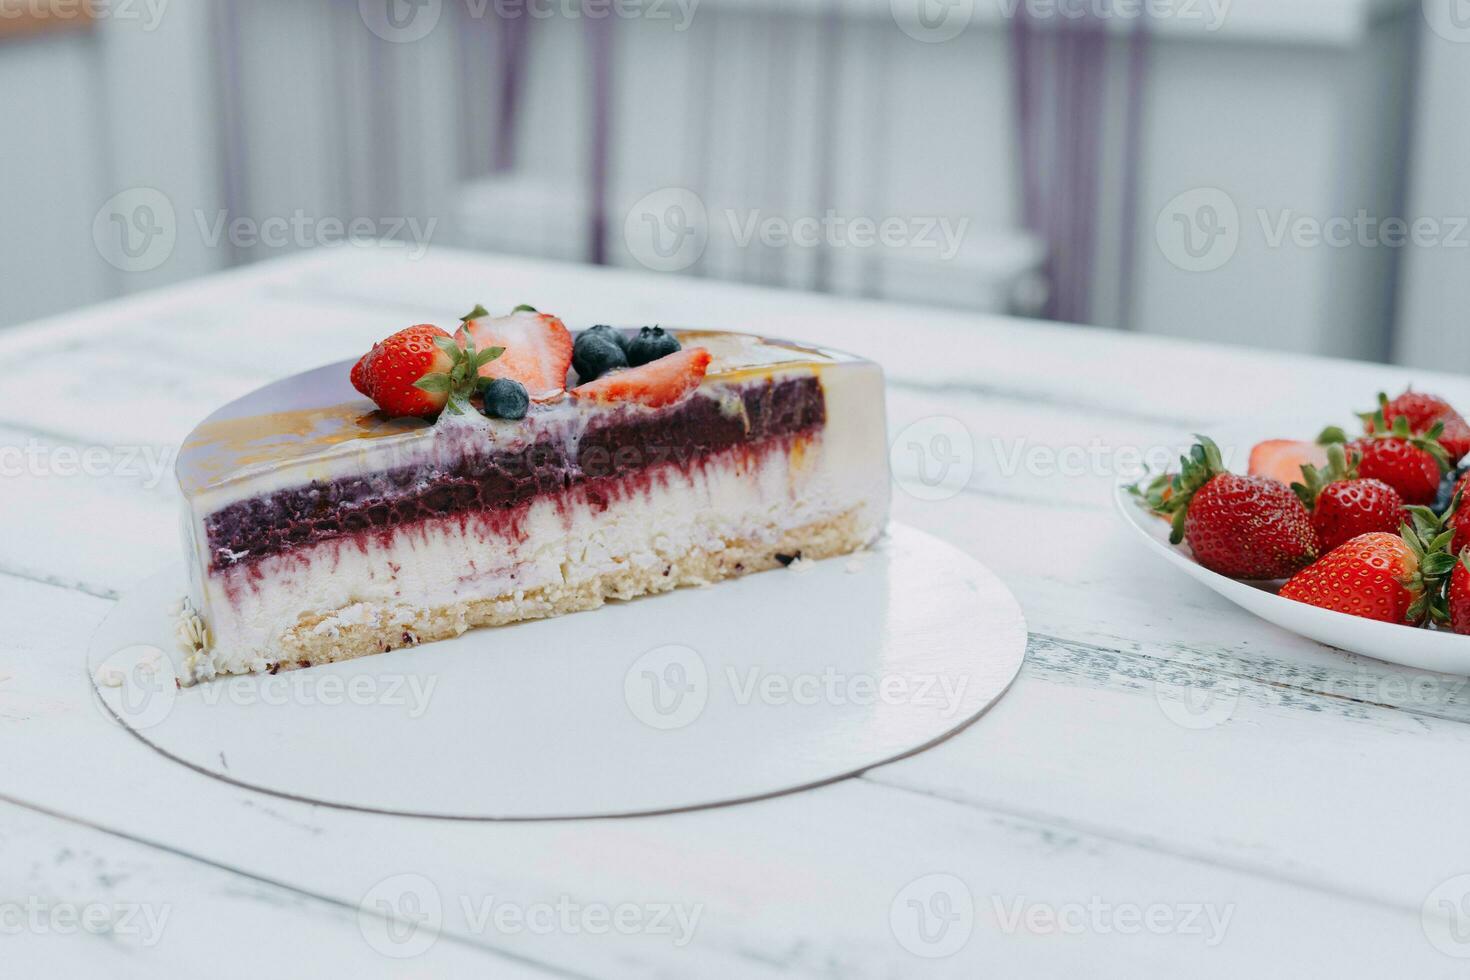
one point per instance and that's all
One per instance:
(1170, 788)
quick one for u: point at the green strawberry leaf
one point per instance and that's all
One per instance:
(434, 383)
(475, 314)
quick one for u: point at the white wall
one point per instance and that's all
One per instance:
(1293, 105)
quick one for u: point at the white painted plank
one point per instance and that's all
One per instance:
(82, 902)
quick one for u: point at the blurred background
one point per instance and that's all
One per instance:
(1291, 174)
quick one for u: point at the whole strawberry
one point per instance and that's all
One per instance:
(420, 370)
(1343, 505)
(1459, 595)
(1247, 527)
(1403, 463)
(1393, 578)
(1423, 411)
(1459, 518)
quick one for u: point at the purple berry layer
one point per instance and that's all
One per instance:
(621, 444)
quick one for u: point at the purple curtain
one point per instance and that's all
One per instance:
(1061, 70)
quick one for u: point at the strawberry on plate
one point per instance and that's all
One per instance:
(1423, 410)
(1247, 527)
(1393, 578)
(1410, 465)
(655, 384)
(1284, 459)
(1376, 576)
(1423, 415)
(1459, 518)
(1343, 505)
(1459, 595)
(537, 348)
(418, 371)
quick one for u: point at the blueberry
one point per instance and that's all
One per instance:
(593, 355)
(506, 399)
(650, 344)
(1447, 489)
(607, 333)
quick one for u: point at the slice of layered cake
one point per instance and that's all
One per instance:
(511, 471)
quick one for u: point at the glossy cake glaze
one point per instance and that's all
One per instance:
(319, 530)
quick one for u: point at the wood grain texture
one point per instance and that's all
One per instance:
(1160, 749)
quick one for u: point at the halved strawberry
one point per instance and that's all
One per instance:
(655, 384)
(538, 349)
(1283, 459)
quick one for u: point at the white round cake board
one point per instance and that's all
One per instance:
(764, 685)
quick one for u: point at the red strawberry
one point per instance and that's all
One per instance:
(1283, 459)
(1460, 518)
(418, 371)
(1350, 508)
(537, 349)
(1459, 595)
(1403, 463)
(1344, 506)
(655, 384)
(359, 373)
(1456, 437)
(1423, 411)
(391, 368)
(1246, 527)
(1376, 576)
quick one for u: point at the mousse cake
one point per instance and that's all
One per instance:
(512, 471)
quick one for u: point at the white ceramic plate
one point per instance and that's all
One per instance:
(1426, 649)
(764, 685)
